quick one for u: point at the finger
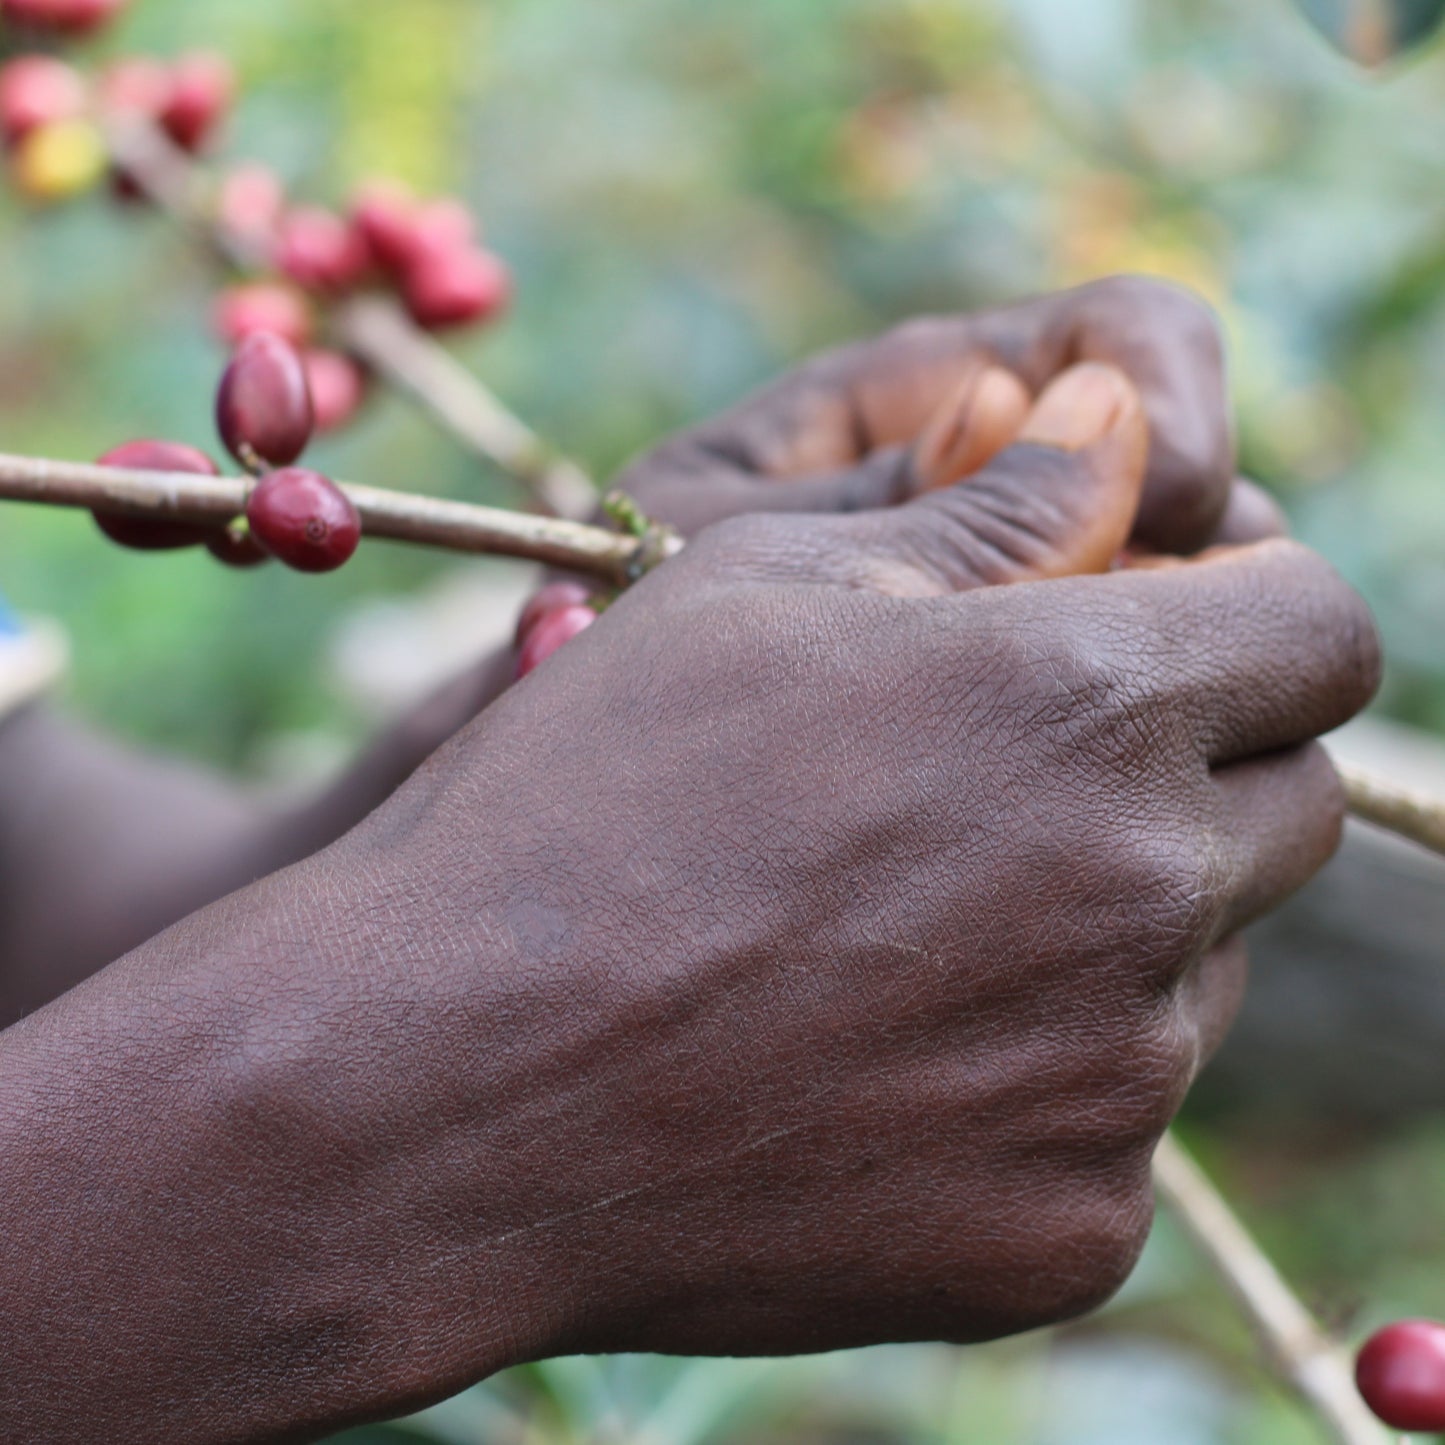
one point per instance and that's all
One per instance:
(983, 417)
(1169, 344)
(882, 479)
(1260, 647)
(1166, 340)
(1059, 503)
(1251, 516)
(984, 414)
(883, 394)
(1282, 818)
(1212, 993)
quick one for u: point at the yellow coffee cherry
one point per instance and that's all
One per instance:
(57, 161)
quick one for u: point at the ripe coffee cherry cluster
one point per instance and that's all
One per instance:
(266, 418)
(51, 114)
(304, 258)
(1401, 1374)
(557, 614)
(428, 253)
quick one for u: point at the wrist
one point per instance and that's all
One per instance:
(219, 1216)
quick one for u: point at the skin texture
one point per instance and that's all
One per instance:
(818, 966)
(117, 845)
(829, 981)
(102, 846)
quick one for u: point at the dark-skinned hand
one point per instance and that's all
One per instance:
(873, 423)
(808, 955)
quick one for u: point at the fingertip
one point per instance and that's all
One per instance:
(1086, 405)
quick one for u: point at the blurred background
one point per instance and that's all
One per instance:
(694, 195)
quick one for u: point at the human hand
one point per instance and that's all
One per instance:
(843, 432)
(809, 955)
(871, 929)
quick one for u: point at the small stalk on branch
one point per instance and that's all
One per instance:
(1298, 1349)
(380, 333)
(374, 328)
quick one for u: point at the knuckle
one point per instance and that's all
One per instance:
(1093, 1249)
(1157, 1069)
(1361, 653)
(919, 335)
(1162, 880)
(743, 544)
(1324, 782)
(1187, 316)
(1084, 689)
(1301, 578)
(1110, 1240)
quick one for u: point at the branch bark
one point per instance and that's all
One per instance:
(1405, 811)
(375, 328)
(1298, 1349)
(611, 557)
(615, 558)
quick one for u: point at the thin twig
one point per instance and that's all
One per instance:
(375, 328)
(400, 516)
(1298, 1349)
(1402, 810)
(379, 332)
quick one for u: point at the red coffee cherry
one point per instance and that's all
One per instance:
(203, 85)
(1401, 1374)
(401, 231)
(263, 407)
(383, 213)
(552, 633)
(142, 533)
(321, 251)
(554, 597)
(242, 311)
(136, 85)
(37, 90)
(447, 287)
(444, 225)
(62, 17)
(337, 385)
(250, 202)
(304, 519)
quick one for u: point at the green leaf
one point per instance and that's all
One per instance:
(1373, 32)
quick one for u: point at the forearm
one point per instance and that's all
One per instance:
(101, 846)
(204, 1236)
(386, 765)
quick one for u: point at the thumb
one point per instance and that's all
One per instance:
(983, 416)
(1060, 502)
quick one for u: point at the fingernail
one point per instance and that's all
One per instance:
(1080, 408)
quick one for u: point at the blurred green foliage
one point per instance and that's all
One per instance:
(694, 196)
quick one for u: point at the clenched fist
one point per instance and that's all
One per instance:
(810, 954)
(842, 432)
